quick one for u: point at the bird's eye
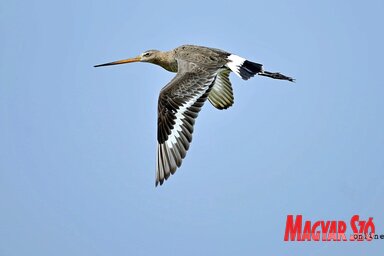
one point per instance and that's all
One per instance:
(146, 54)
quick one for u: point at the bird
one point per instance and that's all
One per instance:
(202, 73)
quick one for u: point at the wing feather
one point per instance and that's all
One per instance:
(221, 94)
(180, 102)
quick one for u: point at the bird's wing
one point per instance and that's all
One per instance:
(221, 94)
(179, 104)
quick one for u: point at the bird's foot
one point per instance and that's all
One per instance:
(276, 75)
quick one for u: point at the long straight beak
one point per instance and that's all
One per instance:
(136, 59)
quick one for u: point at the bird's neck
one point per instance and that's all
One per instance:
(167, 61)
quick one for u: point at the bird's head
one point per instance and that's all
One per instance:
(147, 56)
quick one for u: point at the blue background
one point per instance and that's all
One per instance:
(77, 144)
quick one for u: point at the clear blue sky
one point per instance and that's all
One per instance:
(77, 144)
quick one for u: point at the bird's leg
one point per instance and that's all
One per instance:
(276, 75)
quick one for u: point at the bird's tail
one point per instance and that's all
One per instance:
(242, 67)
(247, 69)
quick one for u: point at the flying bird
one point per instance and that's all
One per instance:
(202, 73)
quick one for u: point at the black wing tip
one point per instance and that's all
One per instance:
(160, 182)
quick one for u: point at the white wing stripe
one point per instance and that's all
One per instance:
(179, 117)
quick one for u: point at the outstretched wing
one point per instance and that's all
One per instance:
(179, 103)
